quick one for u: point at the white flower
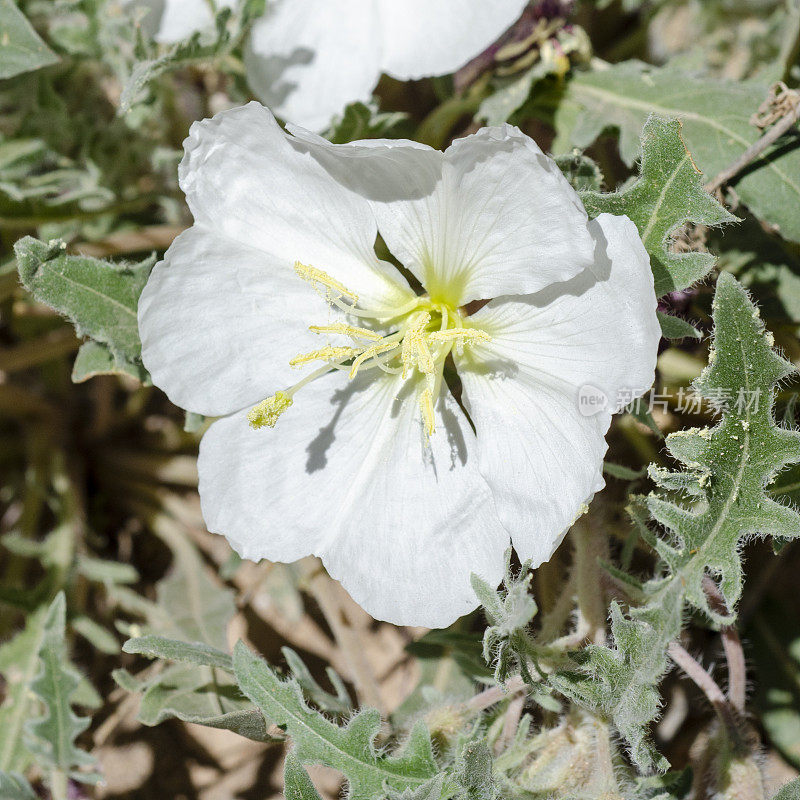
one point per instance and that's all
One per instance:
(307, 59)
(171, 21)
(373, 464)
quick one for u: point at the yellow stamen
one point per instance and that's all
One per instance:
(426, 406)
(371, 352)
(424, 357)
(465, 334)
(417, 343)
(266, 413)
(346, 330)
(327, 353)
(316, 277)
(411, 340)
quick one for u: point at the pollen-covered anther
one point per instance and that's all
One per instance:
(321, 280)
(371, 352)
(460, 337)
(413, 341)
(426, 406)
(266, 413)
(459, 334)
(327, 353)
(346, 330)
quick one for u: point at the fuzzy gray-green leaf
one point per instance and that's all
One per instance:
(203, 696)
(716, 125)
(173, 650)
(677, 328)
(738, 457)
(296, 783)
(728, 466)
(188, 624)
(348, 749)
(19, 663)
(95, 359)
(791, 791)
(21, 48)
(98, 297)
(52, 736)
(668, 193)
(14, 786)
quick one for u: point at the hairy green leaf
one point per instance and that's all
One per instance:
(95, 359)
(474, 772)
(98, 297)
(173, 650)
(668, 193)
(791, 791)
(622, 681)
(434, 789)
(19, 663)
(509, 611)
(14, 786)
(728, 468)
(52, 736)
(677, 328)
(339, 704)
(349, 749)
(733, 461)
(203, 696)
(188, 623)
(21, 48)
(296, 783)
(582, 172)
(716, 125)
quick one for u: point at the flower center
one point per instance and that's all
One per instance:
(415, 338)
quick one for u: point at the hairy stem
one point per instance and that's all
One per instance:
(590, 545)
(707, 685)
(734, 653)
(495, 694)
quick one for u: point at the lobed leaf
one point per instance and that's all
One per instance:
(296, 783)
(716, 125)
(728, 468)
(52, 736)
(188, 624)
(19, 664)
(668, 194)
(349, 749)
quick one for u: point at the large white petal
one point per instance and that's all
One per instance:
(436, 37)
(540, 453)
(501, 220)
(307, 59)
(383, 171)
(347, 474)
(219, 322)
(250, 181)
